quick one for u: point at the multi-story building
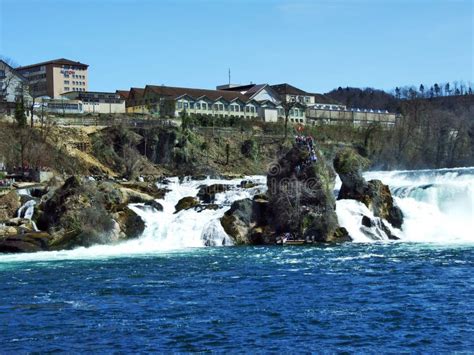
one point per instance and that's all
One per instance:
(13, 87)
(55, 77)
(98, 102)
(12, 83)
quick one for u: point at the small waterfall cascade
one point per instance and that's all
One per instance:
(28, 209)
(195, 227)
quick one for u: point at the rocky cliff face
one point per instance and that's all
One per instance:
(77, 213)
(301, 197)
(374, 194)
(299, 202)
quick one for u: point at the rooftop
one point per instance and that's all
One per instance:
(176, 92)
(60, 61)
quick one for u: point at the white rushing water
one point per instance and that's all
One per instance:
(438, 206)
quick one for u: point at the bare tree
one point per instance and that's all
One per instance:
(287, 105)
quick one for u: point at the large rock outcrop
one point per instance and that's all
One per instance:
(246, 222)
(301, 196)
(84, 213)
(374, 194)
(299, 201)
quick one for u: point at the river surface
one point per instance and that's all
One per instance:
(168, 292)
(395, 297)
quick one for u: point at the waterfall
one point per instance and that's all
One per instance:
(199, 227)
(27, 211)
(438, 205)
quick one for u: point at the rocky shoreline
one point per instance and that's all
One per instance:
(299, 204)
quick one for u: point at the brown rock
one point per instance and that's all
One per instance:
(25, 243)
(9, 205)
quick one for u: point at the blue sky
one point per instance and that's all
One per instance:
(316, 45)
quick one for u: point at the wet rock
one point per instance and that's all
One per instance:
(130, 223)
(155, 204)
(132, 196)
(211, 206)
(247, 184)
(374, 194)
(25, 243)
(301, 197)
(186, 203)
(237, 221)
(84, 213)
(207, 194)
(150, 189)
(367, 222)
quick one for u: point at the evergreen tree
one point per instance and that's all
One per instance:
(422, 90)
(447, 90)
(20, 115)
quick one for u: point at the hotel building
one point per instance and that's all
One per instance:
(55, 77)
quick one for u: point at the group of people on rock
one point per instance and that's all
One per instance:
(6, 182)
(306, 142)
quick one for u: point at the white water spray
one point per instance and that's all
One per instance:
(438, 205)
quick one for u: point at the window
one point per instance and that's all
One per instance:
(198, 105)
(2, 73)
(191, 105)
(66, 88)
(306, 99)
(180, 105)
(247, 109)
(204, 106)
(66, 82)
(232, 108)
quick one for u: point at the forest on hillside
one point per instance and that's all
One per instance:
(435, 128)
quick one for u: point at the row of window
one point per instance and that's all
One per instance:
(63, 106)
(67, 88)
(66, 82)
(72, 67)
(215, 107)
(305, 99)
(297, 120)
(37, 77)
(78, 76)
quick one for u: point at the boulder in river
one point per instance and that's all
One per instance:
(84, 213)
(301, 197)
(25, 243)
(186, 203)
(207, 194)
(374, 194)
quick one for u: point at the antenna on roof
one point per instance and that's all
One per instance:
(229, 76)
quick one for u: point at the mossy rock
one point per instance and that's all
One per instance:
(186, 203)
(348, 161)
